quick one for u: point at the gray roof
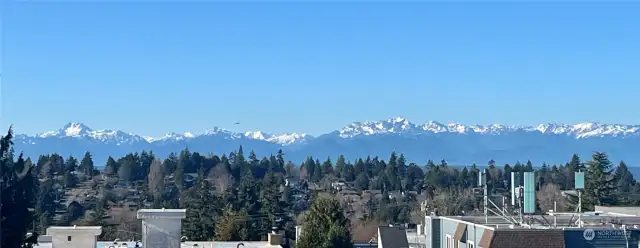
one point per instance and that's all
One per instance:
(392, 237)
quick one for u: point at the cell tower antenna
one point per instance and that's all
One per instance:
(494, 209)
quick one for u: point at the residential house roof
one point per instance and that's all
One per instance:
(392, 237)
(527, 238)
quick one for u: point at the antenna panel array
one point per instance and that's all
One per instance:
(529, 193)
(579, 181)
(514, 188)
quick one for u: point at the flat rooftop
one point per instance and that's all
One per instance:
(602, 220)
(203, 244)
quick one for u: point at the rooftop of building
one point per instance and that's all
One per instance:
(198, 244)
(597, 219)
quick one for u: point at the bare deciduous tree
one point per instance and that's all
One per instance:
(365, 231)
(156, 177)
(451, 201)
(304, 173)
(548, 194)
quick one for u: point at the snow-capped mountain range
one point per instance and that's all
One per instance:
(82, 131)
(397, 125)
(430, 140)
(400, 125)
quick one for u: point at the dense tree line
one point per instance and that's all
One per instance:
(233, 197)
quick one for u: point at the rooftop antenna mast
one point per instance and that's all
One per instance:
(579, 186)
(482, 182)
(529, 194)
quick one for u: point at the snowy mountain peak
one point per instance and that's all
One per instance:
(78, 130)
(75, 129)
(290, 138)
(401, 126)
(257, 135)
(391, 126)
(282, 139)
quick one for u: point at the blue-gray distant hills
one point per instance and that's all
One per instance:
(457, 143)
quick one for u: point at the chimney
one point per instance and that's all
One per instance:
(274, 239)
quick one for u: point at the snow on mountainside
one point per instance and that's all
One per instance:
(458, 143)
(400, 125)
(80, 130)
(397, 125)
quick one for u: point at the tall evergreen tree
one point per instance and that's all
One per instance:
(111, 169)
(402, 166)
(270, 197)
(599, 182)
(128, 165)
(86, 165)
(624, 179)
(17, 195)
(327, 167)
(325, 225)
(340, 164)
(170, 164)
(71, 164)
(201, 208)
(183, 164)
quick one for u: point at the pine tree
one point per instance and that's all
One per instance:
(170, 164)
(349, 173)
(146, 159)
(624, 178)
(599, 182)
(327, 167)
(270, 196)
(181, 168)
(128, 164)
(362, 181)
(71, 164)
(238, 163)
(111, 169)
(340, 164)
(317, 171)
(248, 193)
(86, 165)
(201, 208)
(402, 166)
(624, 182)
(70, 180)
(280, 159)
(359, 167)
(325, 225)
(17, 195)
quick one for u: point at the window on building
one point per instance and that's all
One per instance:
(68, 238)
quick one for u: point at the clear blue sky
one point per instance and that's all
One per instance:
(152, 68)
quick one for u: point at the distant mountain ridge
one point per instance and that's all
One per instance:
(454, 142)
